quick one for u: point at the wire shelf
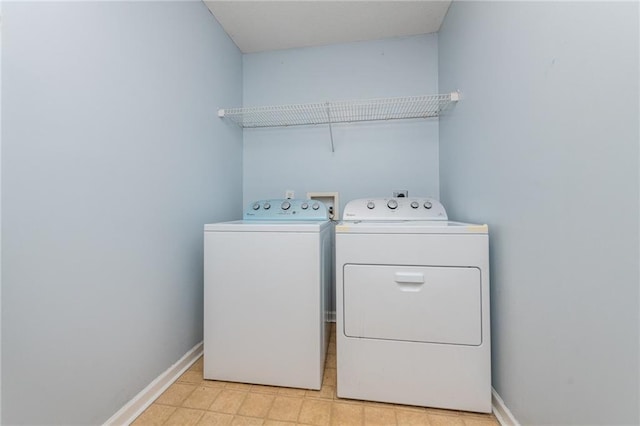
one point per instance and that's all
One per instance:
(341, 111)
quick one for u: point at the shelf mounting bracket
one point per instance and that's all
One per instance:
(330, 128)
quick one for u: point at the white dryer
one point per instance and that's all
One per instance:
(412, 306)
(266, 290)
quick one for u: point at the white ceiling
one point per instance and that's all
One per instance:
(257, 26)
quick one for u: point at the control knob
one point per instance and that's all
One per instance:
(427, 204)
(304, 206)
(285, 205)
(371, 205)
(267, 206)
(392, 204)
(256, 206)
(415, 205)
(315, 206)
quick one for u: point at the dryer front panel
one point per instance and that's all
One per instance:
(413, 303)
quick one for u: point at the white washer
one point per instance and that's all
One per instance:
(412, 306)
(266, 290)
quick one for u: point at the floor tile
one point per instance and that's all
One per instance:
(329, 377)
(228, 401)
(471, 414)
(441, 420)
(295, 392)
(327, 392)
(215, 419)
(409, 407)
(278, 423)
(381, 404)
(184, 417)
(176, 394)
(213, 383)
(331, 349)
(379, 416)
(406, 417)
(256, 405)
(315, 412)
(190, 377)
(198, 365)
(285, 408)
(264, 389)
(346, 414)
(155, 415)
(331, 361)
(441, 412)
(202, 397)
(477, 421)
(351, 401)
(246, 421)
(238, 386)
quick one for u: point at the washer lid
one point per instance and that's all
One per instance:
(410, 227)
(267, 226)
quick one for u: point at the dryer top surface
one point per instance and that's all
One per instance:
(410, 227)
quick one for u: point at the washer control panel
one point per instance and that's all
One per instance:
(401, 208)
(286, 209)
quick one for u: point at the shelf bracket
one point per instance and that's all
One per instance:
(330, 128)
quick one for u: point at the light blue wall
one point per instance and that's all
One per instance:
(112, 161)
(370, 159)
(544, 148)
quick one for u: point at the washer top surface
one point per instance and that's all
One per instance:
(268, 226)
(286, 209)
(278, 215)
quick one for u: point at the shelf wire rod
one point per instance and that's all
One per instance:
(330, 127)
(256, 118)
(288, 115)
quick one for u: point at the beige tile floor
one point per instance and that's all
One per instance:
(194, 401)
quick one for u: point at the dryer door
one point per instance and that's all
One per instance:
(408, 303)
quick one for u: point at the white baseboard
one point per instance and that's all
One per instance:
(500, 410)
(132, 409)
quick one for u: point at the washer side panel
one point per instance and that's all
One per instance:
(263, 318)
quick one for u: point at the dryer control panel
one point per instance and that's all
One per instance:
(286, 209)
(392, 209)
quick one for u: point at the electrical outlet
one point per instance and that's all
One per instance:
(400, 193)
(330, 199)
(290, 194)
